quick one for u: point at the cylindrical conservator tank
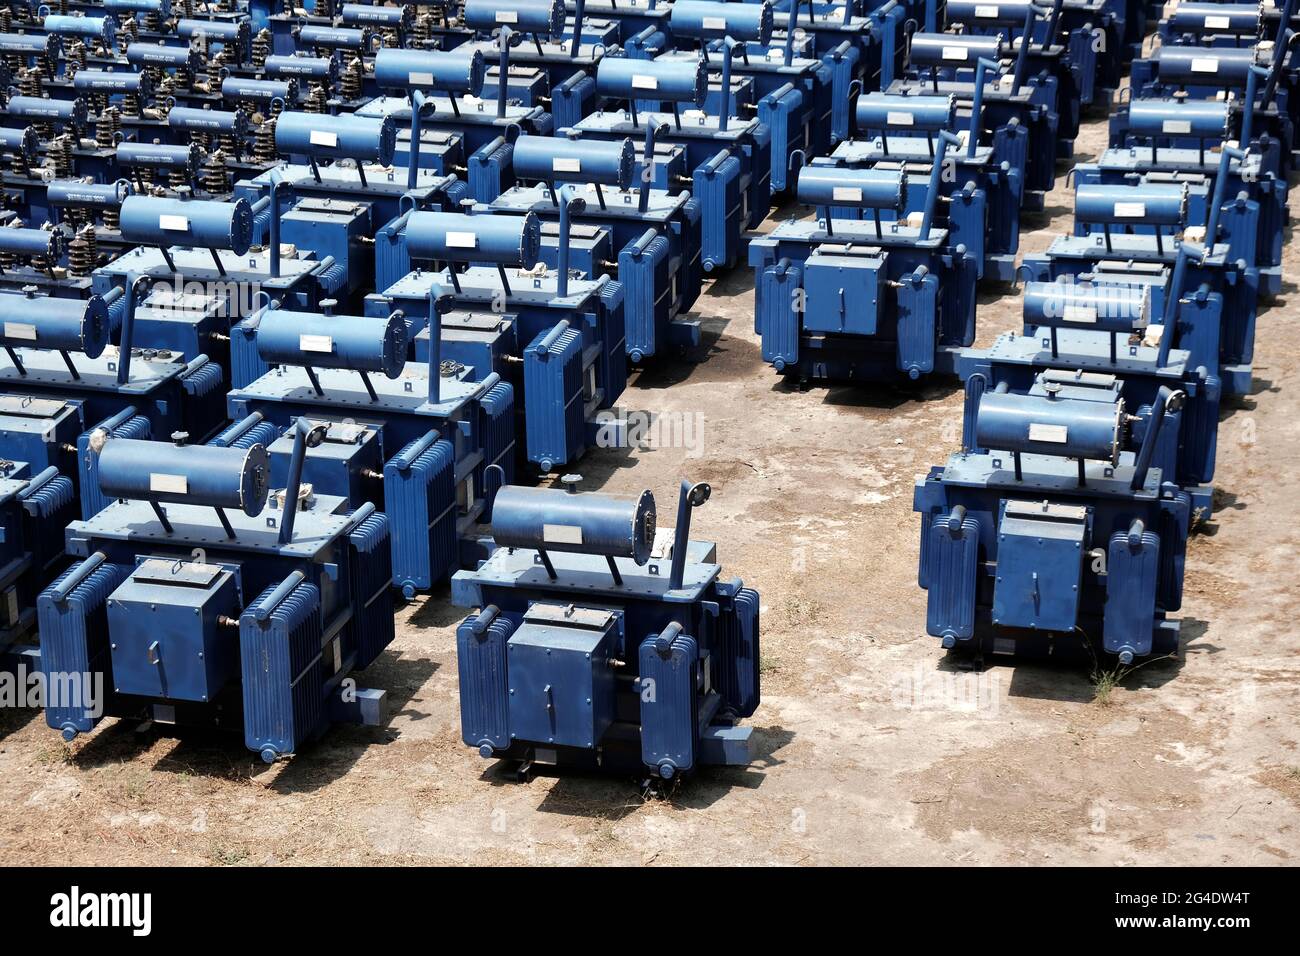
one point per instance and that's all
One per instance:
(857, 188)
(321, 69)
(1150, 204)
(259, 91)
(704, 19)
(68, 112)
(363, 138)
(1225, 67)
(359, 342)
(30, 44)
(54, 323)
(99, 28)
(946, 49)
(1201, 119)
(112, 81)
(673, 81)
(162, 8)
(334, 38)
(608, 163)
(205, 475)
(925, 114)
(198, 120)
(194, 222)
(545, 17)
(457, 237)
(42, 243)
(447, 71)
(1064, 427)
(158, 156)
(71, 192)
(1207, 19)
(233, 32)
(161, 55)
(983, 13)
(620, 526)
(1106, 307)
(372, 14)
(20, 141)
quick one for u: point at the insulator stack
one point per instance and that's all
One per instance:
(107, 126)
(353, 76)
(62, 156)
(82, 252)
(317, 99)
(261, 48)
(216, 178)
(264, 150)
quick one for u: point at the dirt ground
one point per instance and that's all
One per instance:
(872, 747)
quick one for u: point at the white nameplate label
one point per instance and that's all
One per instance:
(20, 330)
(462, 240)
(566, 164)
(986, 12)
(316, 343)
(1080, 313)
(507, 16)
(174, 223)
(954, 53)
(562, 533)
(1130, 210)
(1217, 23)
(715, 23)
(893, 118)
(1038, 431)
(846, 194)
(323, 137)
(168, 484)
(1176, 126)
(420, 79)
(642, 82)
(1205, 64)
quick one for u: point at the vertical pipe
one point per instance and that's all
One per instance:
(1022, 55)
(681, 535)
(1248, 108)
(1164, 399)
(725, 112)
(579, 10)
(274, 228)
(435, 348)
(1175, 292)
(1216, 201)
(503, 71)
(932, 196)
(789, 32)
(301, 432)
(413, 159)
(982, 67)
(128, 334)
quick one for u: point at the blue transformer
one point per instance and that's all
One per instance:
(1126, 234)
(187, 604)
(1044, 537)
(654, 233)
(1014, 103)
(869, 299)
(983, 191)
(1100, 340)
(429, 442)
(557, 337)
(584, 653)
(63, 388)
(728, 158)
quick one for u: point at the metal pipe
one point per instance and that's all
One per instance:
(936, 171)
(570, 203)
(1167, 400)
(305, 435)
(1220, 188)
(690, 496)
(435, 347)
(982, 67)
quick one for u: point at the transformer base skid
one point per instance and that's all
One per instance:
(992, 645)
